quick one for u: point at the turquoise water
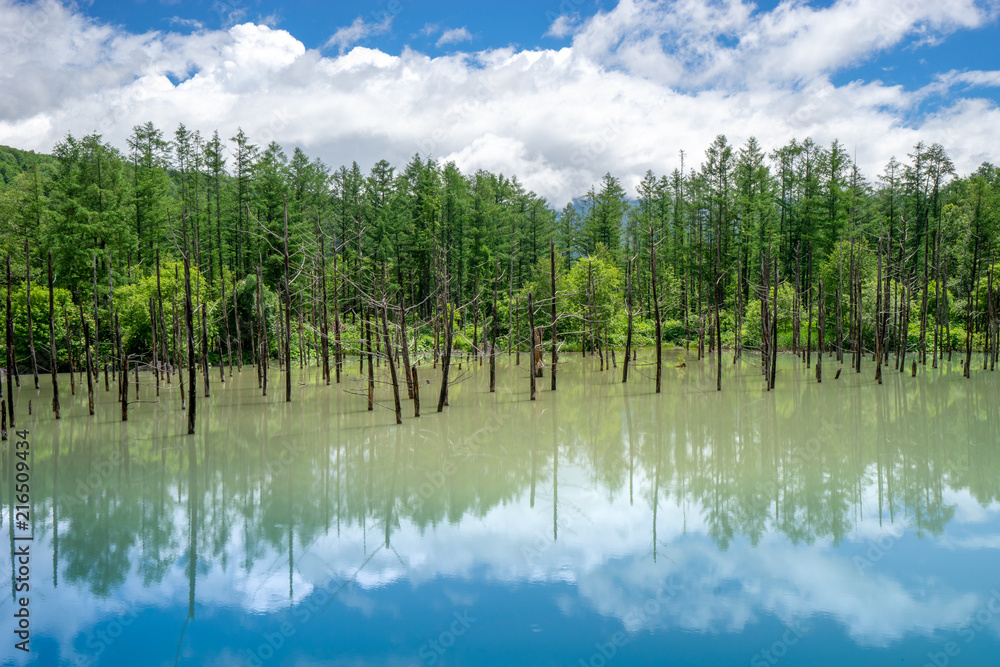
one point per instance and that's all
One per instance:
(840, 523)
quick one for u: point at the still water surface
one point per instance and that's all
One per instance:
(842, 523)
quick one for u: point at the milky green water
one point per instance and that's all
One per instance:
(833, 523)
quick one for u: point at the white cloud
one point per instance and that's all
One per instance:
(728, 41)
(187, 23)
(697, 588)
(986, 79)
(636, 85)
(454, 36)
(356, 32)
(562, 27)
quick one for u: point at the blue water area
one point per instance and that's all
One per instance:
(602, 525)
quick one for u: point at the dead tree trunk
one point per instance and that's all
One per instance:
(718, 298)
(31, 334)
(969, 311)
(446, 359)
(123, 370)
(840, 299)
(225, 318)
(162, 321)
(738, 315)
(239, 335)
(493, 339)
(517, 333)
(368, 350)
(656, 311)
(947, 317)
(337, 351)
(90, 363)
(797, 301)
(189, 321)
(475, 313)
(69, 353)
(774, 329)
(821, 308)
(97, 341)
(392, 363)
(436, 325)
(303, 348)
(218, 346)
(136, 367)
(552, 275)
(613, 362)
(809, 299)
(416, 391)
(325, 325)
(177, 340)
(280, 322)
(111, 315)
(923, 303)
(878, 317)
(858, 322)
(628, 305)
(154, 342)
(765, 320)
(988, 314)
(53, 363)
(204, 346)
(288, 311)
(11, 361)
(936, 347)
(533, 372)
(904, 321)
(405, 347)
(263, 348)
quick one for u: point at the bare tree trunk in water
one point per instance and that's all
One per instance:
(392, 363)
(656, 312)
(31, 334)
(52, 347)
(552, 274)
(628, 305)
(446, 359)
(822, 327)
(531, 332)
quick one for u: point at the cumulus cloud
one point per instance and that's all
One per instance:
(562, 27)
(633, 87)
(728, 42)
(454, 36)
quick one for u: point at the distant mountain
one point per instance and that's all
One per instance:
(14, 162)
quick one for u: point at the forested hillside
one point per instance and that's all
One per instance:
(14, 162)
(793, 248)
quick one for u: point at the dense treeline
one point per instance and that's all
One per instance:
(14, 162)
(752, 250)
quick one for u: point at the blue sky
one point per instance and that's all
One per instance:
(491, 24)
(557, 92)
(419, 24)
